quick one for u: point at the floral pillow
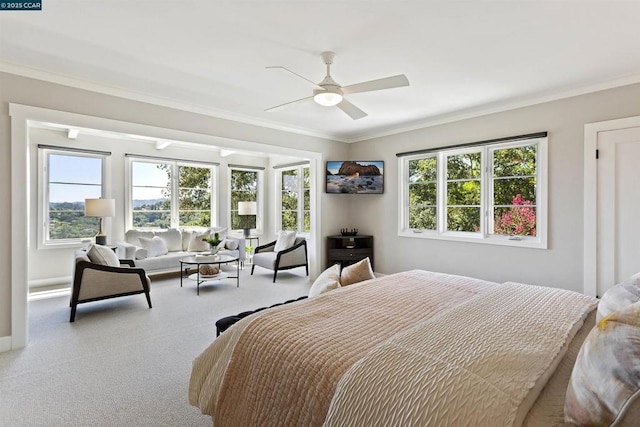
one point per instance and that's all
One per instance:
(605, 382)
(619, 297)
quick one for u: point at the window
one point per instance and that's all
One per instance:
(69, 178)
(244, 188)
(171, 194)
(295, 199)
(492, 193)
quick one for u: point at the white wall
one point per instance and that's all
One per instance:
(20, 90)
(561, 264)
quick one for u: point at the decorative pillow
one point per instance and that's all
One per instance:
(186, 238)
(358, 272)
(103, 255)
(605, 381)
(155, 247)
(222, 231)
(617, 298)
(196, 244)
(327, 281)
(133, 236)
(286, 239)
(172, 238)
(141, 253)
(232, 245)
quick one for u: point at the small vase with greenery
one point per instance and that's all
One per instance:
(213, 243)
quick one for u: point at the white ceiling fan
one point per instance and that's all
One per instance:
(329, 93)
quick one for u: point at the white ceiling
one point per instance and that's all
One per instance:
(462, 58)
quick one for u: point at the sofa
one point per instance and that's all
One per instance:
(158, 251)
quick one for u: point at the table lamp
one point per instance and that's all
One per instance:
(100, 208)
(247, 209)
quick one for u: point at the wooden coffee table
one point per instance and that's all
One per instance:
(198, 260)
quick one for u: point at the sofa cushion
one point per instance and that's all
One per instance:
(155, 246)
(103, 255)
(132, 236)
(172, 238)
(196, 244)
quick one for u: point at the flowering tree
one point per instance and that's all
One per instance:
(519, 219)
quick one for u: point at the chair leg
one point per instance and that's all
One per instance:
(252, 267)
(307, 268)
(73, 314)
(275, 273)
(148, 298)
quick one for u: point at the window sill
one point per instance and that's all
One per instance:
(75, 244)
(526, 242)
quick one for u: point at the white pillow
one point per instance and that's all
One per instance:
(222, 231)
(196, 244)
(327, 281)
(186, 238)
(172, 238)
(133, 236)
(232, 245)
(286, 239)
(103, 255)
(155, 247)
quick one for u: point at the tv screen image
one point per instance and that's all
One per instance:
(355, 177)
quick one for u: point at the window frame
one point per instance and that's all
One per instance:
(174, 208)
(44, 242)
(300, 193)
(259, 230)
(485, 234)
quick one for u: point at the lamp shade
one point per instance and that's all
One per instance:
(99, 207)
(247, 208)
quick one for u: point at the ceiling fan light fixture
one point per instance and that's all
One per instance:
(327, 99)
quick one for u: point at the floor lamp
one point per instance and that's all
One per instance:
(100, 208)
(246, 209)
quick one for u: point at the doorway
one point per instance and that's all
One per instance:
(611, 203)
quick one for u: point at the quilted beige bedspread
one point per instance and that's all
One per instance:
(380, 340)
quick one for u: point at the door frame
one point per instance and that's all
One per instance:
(590, 258)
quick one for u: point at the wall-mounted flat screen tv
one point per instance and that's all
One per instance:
(355, 177)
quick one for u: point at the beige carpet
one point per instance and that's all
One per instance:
(122, 363)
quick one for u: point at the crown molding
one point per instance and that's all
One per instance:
(454, 116)
(499, 107)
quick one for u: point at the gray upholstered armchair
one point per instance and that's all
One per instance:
(94, 282)
(296, 256)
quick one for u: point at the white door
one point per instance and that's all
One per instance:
(618, 206)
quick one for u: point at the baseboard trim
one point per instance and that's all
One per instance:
(5, 344)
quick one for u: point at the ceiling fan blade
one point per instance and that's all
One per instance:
(309, 82)
(379, 84)
(286, 104)
(352, 111)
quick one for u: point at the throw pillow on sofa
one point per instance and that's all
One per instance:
(231, 245)
(155, 246)
(172, 238)
(196, 244)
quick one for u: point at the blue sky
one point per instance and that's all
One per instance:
(66, 172)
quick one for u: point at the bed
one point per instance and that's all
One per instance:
(412, 348)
